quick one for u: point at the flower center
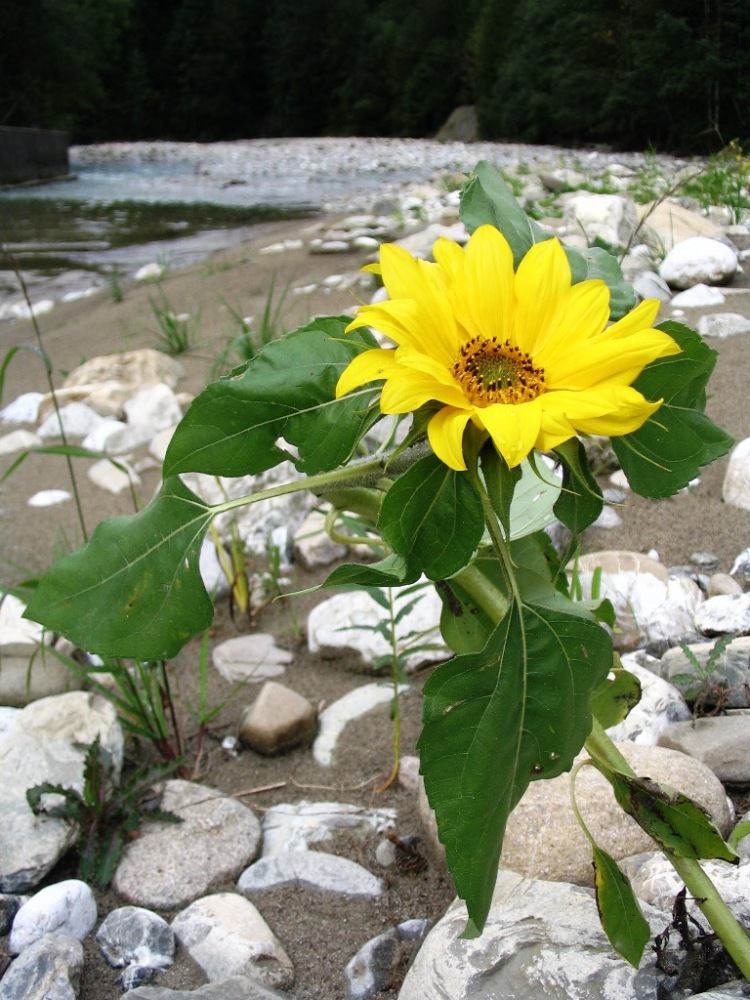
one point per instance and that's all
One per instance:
(490, 372)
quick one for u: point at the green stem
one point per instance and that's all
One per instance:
(607, 758)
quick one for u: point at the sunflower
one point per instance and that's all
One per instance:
(525, 355)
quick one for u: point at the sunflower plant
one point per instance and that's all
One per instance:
(499, 359)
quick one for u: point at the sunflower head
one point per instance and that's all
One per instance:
(524, 355)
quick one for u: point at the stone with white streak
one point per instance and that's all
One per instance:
(699, 259)
(226, 935)
(313, 870)
(294, 826)
(132, 935)
(333, 719)
(233, 988)
(542, 941)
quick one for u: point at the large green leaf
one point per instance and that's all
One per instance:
(286, 391)
(487, 199)
(497, 719)
(619, 910)
(432, 517)
(389, 572)
(669, 450)
(135, 589)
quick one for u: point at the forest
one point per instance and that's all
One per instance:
(668, 74)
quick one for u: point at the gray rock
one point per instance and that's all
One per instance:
(313, 870)
(9, 907)
(721, 743)
(254, 658)
(226, 935)
(372, 968)
(313, 546)
(41, 746)
(234, 988)
(68, 907)
(50, 969)
(542, 941)
(171, 865)
(699, 259)
(131, 935)
(278, 720)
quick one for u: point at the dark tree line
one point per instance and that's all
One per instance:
(671, 73)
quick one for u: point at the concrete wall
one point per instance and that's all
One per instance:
(29, 154)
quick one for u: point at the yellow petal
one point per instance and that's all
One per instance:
(542, 281)
(407, 390)
(450, 257)
(487, 285)
(583, 314)
(642, 317)
(369, 366)
(513, 429)
(608, 411)
(603, 360)
(445, 432)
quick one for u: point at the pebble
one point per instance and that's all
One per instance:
(251, 658)
(49, 969)
(278, 720)
(48, 498)
(314, 870)
(134, 936)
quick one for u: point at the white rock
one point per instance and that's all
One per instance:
(21, 310)
(153, 408)
(77, 419)
(160, 443)
(123, 374)
(313, 546)
(113, 437)
(20, 440)
(332, 720)
(315, 870)
(650, 605)
(212, 573)
(724, 615)
(149, 272)
(736, 487)
(699, 259)
(698, 297)
(723, 325)
(648, 285)
(226, 935)
(251, 658)
(109, 477)
(345, 625)
(608, 217)
(23, 410)
(48, 498)
(67, 906)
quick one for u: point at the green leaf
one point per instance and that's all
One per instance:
(534, 498)
(501, 482)
(487, 199)
(669, 450)
(497, 719)
(389, 572)
(288, 390)
(674, 821)
(580, 501)
(135, 589)
(620, 913)
(614, 700)
(432, 517)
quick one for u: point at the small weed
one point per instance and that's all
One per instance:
(106, 815)
(725, 182)
(178, 332)
(243, 346)
(708, 693)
